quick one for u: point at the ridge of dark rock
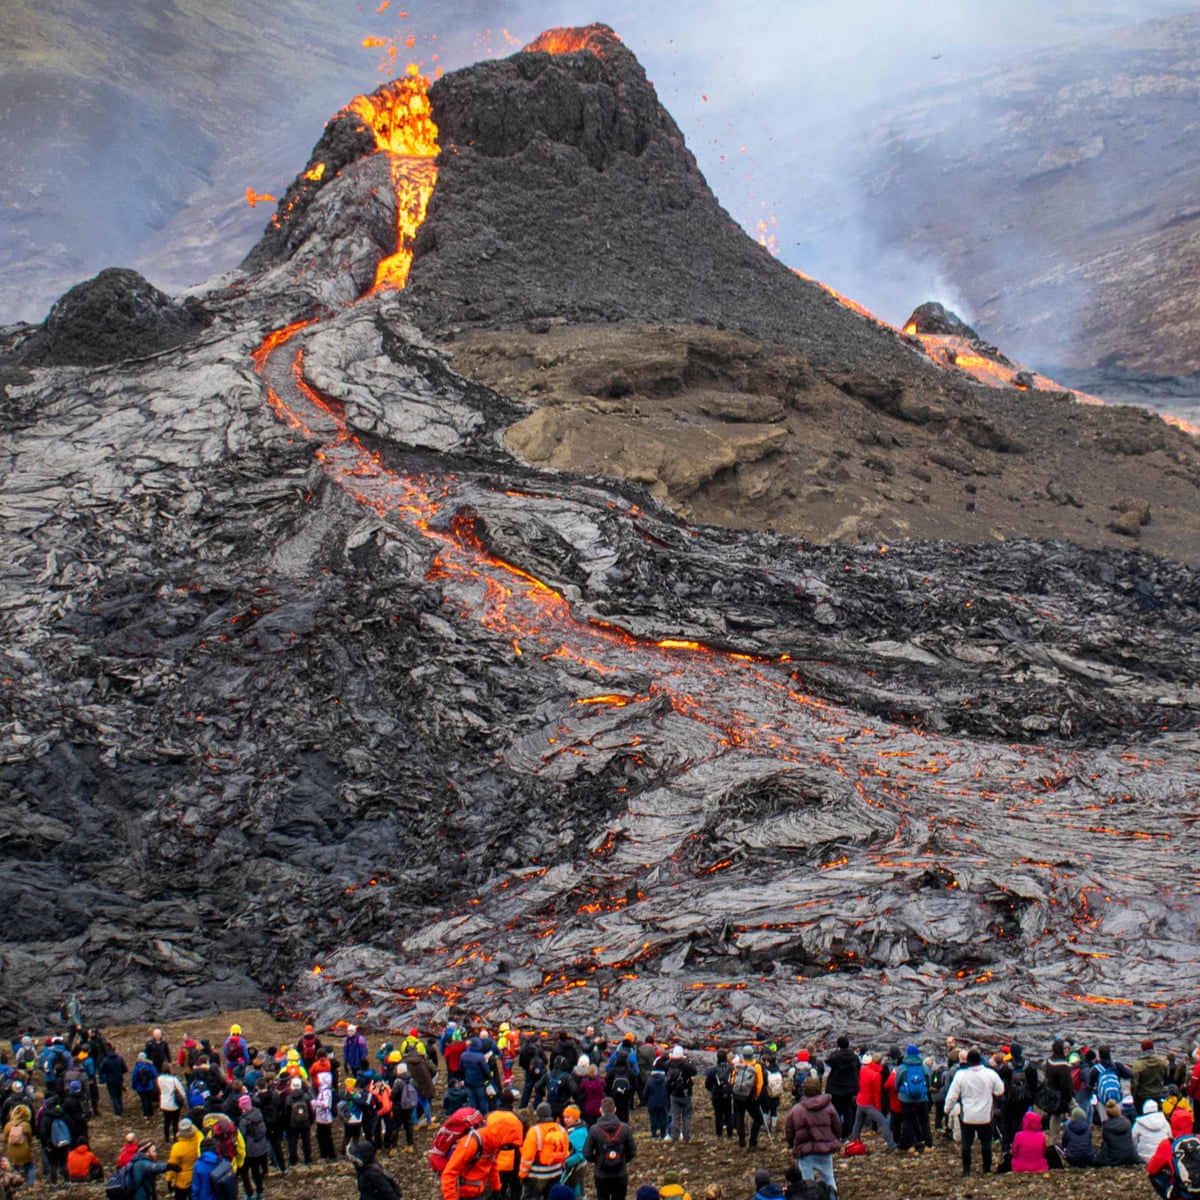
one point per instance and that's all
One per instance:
(114, 316)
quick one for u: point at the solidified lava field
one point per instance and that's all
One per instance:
(315, 691)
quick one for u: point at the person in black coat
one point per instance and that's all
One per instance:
(374, 1183)
(841, 1081)
(1116, 1140)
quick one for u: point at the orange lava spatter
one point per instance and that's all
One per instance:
(400, 116)
(567, 41)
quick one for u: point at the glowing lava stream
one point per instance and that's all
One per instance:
(744, 704)
(708, 722)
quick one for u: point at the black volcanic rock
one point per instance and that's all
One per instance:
(115, 316)
(933, 317)
(345, 140)
(565, 189)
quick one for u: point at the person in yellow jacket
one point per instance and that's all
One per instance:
(543, 1153)
(185, 1151)
(19, 1143)
(412, 1042)
(671, 1188)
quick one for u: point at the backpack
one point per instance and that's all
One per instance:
(1018, 1089)
(224, 1180)
(552, 1145)
(299, 1114)
(457, 1125)
(554, 1086)
(1185, 1160)
(1049, 1099)
(1108, 1086)
(120, 1184)
(774, 1084)
(800, 1074)
(537, 1067)
(913, 1086)
(60, 1134)
(855, 1149)
(16, 1134)
(225, 1135)
(621, 1087)
(723, 1087)
(406, 1098)
(745, 1082)
(141, 1079)
(612, 1153)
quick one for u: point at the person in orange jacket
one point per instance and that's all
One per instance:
(83, 1166)
(508, 1160)
(543, 1153)
(474, 1166)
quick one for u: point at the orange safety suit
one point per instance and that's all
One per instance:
(509, 1125)
(473, 1167)
(544, 1152)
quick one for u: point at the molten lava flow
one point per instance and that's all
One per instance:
(400, 116)
(567, 41)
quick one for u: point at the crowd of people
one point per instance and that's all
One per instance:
(538, 1117)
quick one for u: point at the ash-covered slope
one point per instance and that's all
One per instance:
(301, 669)
(566, 190)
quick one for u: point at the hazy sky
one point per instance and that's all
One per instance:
(191, 102)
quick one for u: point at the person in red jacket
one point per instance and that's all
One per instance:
(1161, 1168)
(870, 1100)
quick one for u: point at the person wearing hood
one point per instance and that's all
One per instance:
(18, 1142)
(1116, 1141)
(476, 1070)
(1029, 1145)
(374, 1183)
(111, 1072)
(202, 1173)
(913, 1080)
(764, 1189)
(183, 1156)
(813, 1131)
(144, 1171)
(1148, 1130)
(657, 1102)
(611, 1147)
(423, 1080)
(1077, 1139)
(253, 1127)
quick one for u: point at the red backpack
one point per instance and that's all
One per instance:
(460, 1122)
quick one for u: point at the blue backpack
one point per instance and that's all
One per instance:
(912, 1086)
(1108, 1086)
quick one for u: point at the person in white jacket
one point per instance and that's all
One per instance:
(171, 1100)
(1148, 1130)
(976, 1089)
